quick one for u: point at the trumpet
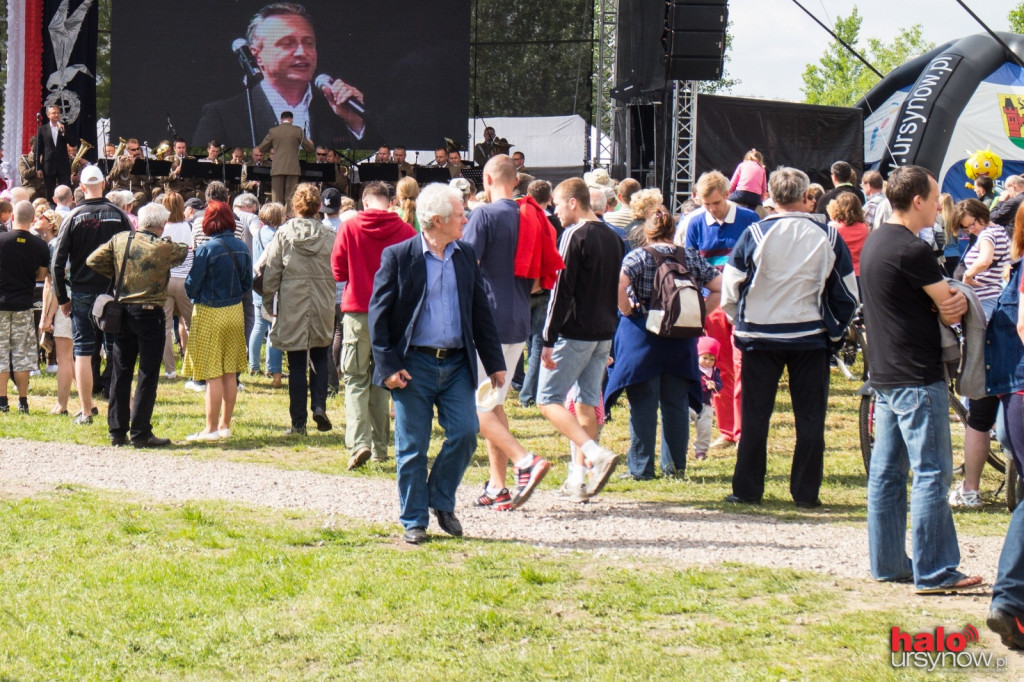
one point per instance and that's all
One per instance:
(76, 163)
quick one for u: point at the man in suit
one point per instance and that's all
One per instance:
(283, 141)
(283, 41)
(53, 165)
(429, 317)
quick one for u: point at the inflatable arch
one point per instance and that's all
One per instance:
(938, 109)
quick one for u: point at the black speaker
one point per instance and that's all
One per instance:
(694, 68)
(696, 44)
(695, 39)
(686, 16)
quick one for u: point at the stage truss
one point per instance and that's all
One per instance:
(684, 142)
(603, 145)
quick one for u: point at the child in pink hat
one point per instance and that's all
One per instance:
(711, 383)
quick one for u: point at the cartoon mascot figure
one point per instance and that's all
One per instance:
(983, 162)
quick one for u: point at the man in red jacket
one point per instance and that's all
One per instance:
(356, 259)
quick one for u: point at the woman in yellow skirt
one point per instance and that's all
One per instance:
(220, 278)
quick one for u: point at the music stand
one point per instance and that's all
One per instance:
(426, 175)
(317, 172)
(150, 168)
(382, 172)
(474, 175)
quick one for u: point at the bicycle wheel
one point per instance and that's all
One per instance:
(866, 423)
(1014, 485)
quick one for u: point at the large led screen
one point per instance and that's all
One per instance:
(354, 73)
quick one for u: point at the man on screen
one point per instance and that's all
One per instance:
(283, 42)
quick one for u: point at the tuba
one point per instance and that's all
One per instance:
(162, 151)
(76, 163)
(120, 147)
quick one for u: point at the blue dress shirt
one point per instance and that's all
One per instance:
(439, 324)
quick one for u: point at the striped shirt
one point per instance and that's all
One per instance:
(990, 280)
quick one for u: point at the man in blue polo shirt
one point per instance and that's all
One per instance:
(713, 230)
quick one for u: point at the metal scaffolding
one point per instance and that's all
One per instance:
(684, 141)
(605, 18)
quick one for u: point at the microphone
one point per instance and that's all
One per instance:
(245, 59)
(324, 81)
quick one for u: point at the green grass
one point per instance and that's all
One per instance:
(262, 416)
(96, 588)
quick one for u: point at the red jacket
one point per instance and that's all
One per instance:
(536, 251)
(357, 249)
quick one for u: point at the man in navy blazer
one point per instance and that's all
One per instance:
(429, 317)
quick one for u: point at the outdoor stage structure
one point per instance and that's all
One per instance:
(483, 56)
(937, 110)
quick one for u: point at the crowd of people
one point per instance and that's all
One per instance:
(437, 297)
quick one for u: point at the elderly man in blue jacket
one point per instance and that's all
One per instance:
(429, 317)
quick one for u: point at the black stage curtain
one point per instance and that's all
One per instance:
(804, 136)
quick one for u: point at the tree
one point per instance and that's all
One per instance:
(1016, 18)
(840, 79)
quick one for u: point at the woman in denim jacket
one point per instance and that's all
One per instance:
(220, 278)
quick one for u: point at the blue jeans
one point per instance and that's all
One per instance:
(1008, 590)
(671, 393)
(912, 433)
(448, 384)
(259, 332)
(538, 313)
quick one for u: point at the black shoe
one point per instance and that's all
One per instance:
(808, 504)
(323, 423)
(151, 442)
(23, 407)
(416, 535)
(95, 411)
(1007, 626)
(117, 440)
(735, 499)
(5, 408)
(295, 431)
(449, 524)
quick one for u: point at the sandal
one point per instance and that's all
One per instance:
(57, 412)
(968, 584)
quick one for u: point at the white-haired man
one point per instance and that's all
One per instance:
(429, 317)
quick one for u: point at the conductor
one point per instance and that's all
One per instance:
(284, 140)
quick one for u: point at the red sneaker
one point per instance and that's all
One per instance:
(527, 479)
(500, 502)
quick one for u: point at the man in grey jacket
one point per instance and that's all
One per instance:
(789, 290)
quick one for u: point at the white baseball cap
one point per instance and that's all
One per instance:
(487, 397)
(92, 175)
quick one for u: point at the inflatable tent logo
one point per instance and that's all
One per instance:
(1013, 118)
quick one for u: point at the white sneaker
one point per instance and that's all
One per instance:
(224, 434)
(241, 387)
(193, 386)
(201, 436)
(51, 369)
(34, 373)
(575, 490)
(170, 375)
(971, 499)
(601, 467)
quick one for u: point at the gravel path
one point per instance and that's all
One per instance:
(607, 525)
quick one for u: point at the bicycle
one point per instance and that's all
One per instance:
(958, 413)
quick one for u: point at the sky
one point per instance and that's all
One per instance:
(774, 40)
